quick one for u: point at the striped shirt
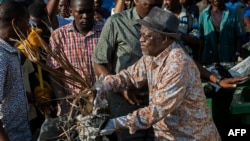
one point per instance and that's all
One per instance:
(77, 48)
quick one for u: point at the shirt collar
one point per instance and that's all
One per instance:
(8, 47)
(209, 7)
(97, 27)
(135, 16)
(159, 59)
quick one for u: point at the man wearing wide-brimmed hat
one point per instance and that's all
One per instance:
(177, 105)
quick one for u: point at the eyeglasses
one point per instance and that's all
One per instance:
(146, 37)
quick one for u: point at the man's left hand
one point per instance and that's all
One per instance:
(109, 128)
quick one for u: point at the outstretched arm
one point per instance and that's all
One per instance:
(52, 11)
(224, 83)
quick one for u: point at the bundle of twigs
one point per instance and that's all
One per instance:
(82, 101)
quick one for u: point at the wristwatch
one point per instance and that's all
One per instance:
(218, 81)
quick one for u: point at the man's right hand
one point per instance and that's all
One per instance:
(132, 95)
(231, 82)
(42, 96)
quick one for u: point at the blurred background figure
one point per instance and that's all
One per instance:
(237, 5)
(63, 15)
(128, 4)
(246, 38)
(62, 6)
(233, 3)
(188, 27)
(65, 10)
(190, 7)
(121, 5)
(221, 31)
(42, 18)
(202, 4)
(101, 13)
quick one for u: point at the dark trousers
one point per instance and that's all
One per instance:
(140, 135)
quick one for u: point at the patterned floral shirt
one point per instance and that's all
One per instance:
(13, 101)
(77, 48)
(177, 103)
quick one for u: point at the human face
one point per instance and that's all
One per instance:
(83, 13)
(61, 8)
(217, 3)
(143, 7)
(166, 3)
(128, 3)
(171, 5)
(247, 3)
(97, 4)
(182, 1)
(151, 42)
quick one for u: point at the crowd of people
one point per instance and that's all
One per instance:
(151, 54)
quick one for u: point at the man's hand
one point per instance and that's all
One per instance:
(231, 82)
(42, 97)
(98, 86)
(44, 106)
(133, 95)
(109, 128)
(130, 96)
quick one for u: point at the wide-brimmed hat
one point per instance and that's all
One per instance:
(162, 21)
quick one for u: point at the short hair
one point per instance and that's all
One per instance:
(38, 10)
(11, 10)
(72, 2)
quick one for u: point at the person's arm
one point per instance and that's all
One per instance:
(190, 40)
(3, 135)
(52, 11)
(105, 48)
(100, 69)
(224, 83)
(119, 6)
